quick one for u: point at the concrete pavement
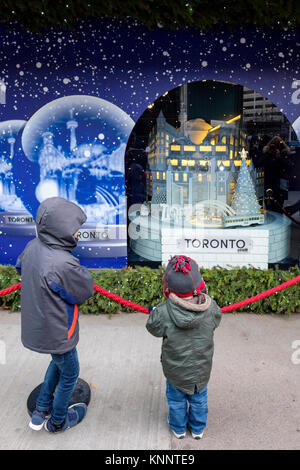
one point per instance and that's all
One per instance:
(253, 394)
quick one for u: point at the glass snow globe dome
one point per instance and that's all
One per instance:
(73, 147)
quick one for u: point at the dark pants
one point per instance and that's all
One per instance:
(181, 415)
(62, 373)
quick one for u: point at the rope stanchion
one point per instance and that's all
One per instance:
(142, 309)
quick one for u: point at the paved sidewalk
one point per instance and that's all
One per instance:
(253, 394)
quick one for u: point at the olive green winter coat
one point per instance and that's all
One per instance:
(187, 329)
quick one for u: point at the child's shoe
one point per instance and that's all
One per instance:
(38, 419)
(178, 436)
(75, 415)
(197, 436)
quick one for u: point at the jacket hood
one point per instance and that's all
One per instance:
(57, 220)
(188, 314)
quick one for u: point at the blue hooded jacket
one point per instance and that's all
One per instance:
(53, 282)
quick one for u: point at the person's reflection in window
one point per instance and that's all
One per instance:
(274, 158)
(136, 190)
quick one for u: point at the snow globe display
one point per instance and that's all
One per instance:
(13, 213)
(73, 147)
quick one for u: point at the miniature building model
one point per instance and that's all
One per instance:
(201, 162)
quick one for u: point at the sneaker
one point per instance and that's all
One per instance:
(38, 419)
(197, 436)
(75, 415)
(178, 436)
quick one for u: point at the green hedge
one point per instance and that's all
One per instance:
(143, 286)
(38, 15)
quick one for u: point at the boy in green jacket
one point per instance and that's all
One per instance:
(186, 321)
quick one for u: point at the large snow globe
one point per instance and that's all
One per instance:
(73, 147)
(13, 214)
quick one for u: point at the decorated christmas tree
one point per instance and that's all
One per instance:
(244, 202)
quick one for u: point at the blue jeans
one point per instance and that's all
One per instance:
(181, 415)
(62, 373)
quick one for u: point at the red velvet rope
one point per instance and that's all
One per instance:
(120, 300)
(257, 297)
(9, 290)
(142, 309)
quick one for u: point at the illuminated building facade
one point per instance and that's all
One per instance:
(198, 162)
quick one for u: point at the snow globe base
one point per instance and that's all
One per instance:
(81, 394)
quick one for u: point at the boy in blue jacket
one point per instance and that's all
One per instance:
(53, 285)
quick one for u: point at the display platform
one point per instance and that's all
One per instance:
(255, 246)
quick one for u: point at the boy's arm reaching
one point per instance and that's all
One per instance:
(73, 284)
(217, 314)
(155, 323)
(18, 265)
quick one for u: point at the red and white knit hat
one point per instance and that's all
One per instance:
(182, 277)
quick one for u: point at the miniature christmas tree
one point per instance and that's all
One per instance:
(244, 202)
